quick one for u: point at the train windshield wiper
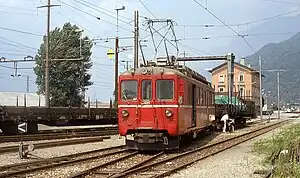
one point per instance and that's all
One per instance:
(126, 99)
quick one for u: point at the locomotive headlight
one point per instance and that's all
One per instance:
(168, 113)
(125, 113)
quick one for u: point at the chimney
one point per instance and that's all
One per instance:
(249, 65)
(242, 61)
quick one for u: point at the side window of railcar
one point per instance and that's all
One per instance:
(129, 89)
(202, 97)
(164, 89)
(147, 89)
(205, 97)
(198, 96)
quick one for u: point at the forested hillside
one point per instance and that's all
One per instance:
(284, 55)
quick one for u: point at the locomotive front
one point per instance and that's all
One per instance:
(148, 107)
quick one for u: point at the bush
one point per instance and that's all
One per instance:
(288, 139)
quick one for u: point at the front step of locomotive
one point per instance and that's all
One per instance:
(151, 142)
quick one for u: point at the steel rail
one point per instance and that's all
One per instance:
(57, 135)
(91, 170)
(23, 168)
(168, 172)
(15, 148)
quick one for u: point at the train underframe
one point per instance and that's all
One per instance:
(153, 140)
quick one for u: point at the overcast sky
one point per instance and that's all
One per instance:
(23, 15)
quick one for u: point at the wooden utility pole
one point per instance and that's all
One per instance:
(136, 39)
(47, 48)
(47, 101)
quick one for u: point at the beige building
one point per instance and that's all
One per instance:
(246, 81)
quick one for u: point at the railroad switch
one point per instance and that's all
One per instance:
(24, 154)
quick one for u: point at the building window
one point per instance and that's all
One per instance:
(241, 78)
(221, 89)
(242, 91)
(221, 78)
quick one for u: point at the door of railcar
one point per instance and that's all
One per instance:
(146, 107)
(166, 100)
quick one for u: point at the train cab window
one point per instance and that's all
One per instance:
(129, 90)
(147, 89)
(164, 89)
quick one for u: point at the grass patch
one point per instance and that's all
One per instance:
(288, 139)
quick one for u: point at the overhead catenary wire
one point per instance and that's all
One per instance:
(17, 44)
(239, 24)
(157, 32)
(78, 9)
(81, 26)
(147, 9)
(194, 49)
(6, 67)
(226, 25)
(92, 6)
(245, 35)
(283, 2)
(96, 17)
(17, 13)
(18, 8)
(120, 16)
(20, 31)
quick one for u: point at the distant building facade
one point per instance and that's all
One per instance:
(246, 80)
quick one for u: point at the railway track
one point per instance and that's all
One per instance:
(15, 148)
(61, 134)
(27, 167)
(119, 162)
(163, 164)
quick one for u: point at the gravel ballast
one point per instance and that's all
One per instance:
(11, 158)
(238, 161)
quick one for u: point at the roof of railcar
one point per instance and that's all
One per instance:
(156, 70)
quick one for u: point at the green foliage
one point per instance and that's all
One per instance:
(67, 78)
(281, 141)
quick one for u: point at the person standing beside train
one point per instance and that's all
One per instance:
(225, 118)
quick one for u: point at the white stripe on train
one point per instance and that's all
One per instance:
(161, 106)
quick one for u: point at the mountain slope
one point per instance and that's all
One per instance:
(273, 26)
(284, 55)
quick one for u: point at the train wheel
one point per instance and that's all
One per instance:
(9, 128)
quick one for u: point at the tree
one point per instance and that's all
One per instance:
(66, 78)
(114, 102)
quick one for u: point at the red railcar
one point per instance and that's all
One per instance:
(158, 105)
